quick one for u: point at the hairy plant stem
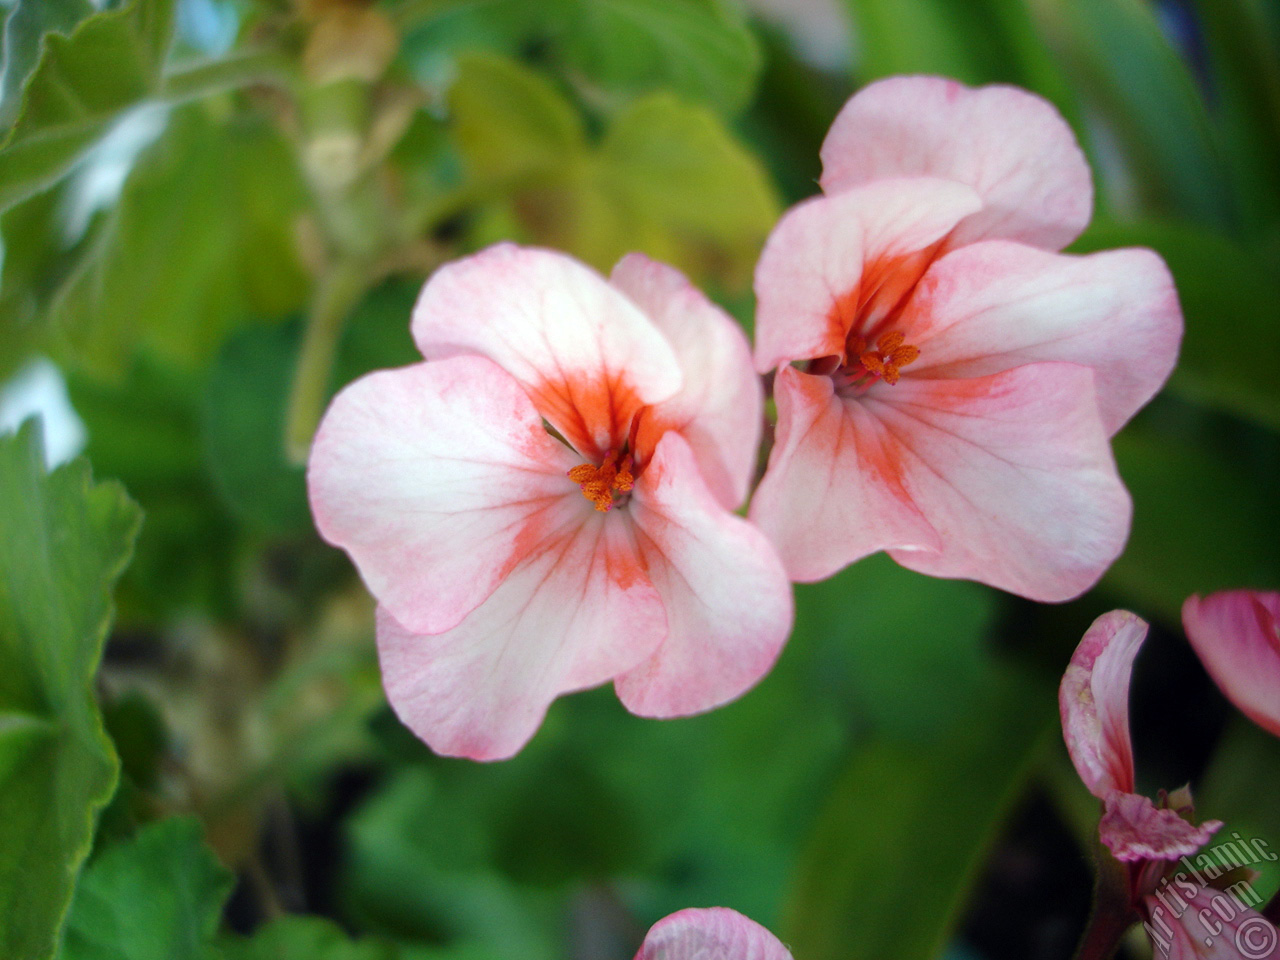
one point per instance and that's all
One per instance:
(337, 293)
(1112, 914)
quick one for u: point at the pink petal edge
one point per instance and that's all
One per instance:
(436, 479)
(1010, 145)
(714, 933)
(1236, 634)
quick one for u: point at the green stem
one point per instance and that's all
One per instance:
(208, 77)
(336, 294)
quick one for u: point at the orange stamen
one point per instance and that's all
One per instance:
(886, 362)
(599, 484)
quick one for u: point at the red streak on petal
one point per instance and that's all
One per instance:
(593, 413)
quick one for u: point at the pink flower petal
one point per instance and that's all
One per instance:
(1094, 701)
(1014, 472)
(1236, 634)
(587, 356)
(1133, 828)
(726, 596)
(1010, 145)
(716, 933)
(996, 305)
(829, 251)
(1209, 924)
(437, 479)
(576, 612)
(836, 486)
(720, 408)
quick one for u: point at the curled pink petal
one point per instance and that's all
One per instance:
(1236, 634)
(991, 306)
(1094, 701)
(831, 260)
(720, 408)
(585, 354)
(1133, 828)
(726, 596)
(436, 478)
(1009, 145)
(715, 933)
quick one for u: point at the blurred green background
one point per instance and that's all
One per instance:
(214, 213)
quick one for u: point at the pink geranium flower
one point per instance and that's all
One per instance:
(947, 384)
(545, 504)
(1237, 636)
(716, 933)
(1188, 912)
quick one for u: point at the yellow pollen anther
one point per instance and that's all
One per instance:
(599, 484)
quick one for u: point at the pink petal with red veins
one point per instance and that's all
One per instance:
(836, 488)
(991, 306)
(716, 933)
(720, 408)
(828, 254)
(576, 612)
(1236, 634)
(1014, 472)
(1094, 701)
(437, 479)
(1133, 828)
(726, 596)
(1011, 146)
(587, 356)
(1214, 925)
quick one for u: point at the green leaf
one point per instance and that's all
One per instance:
(63, 542)
(1202, 522)
(1228, 297)
(145, 430)
(315, 938)
(1116, 53)
(1244, 73)
(82, 83)
(157, 897)
(24, 30)
(897, 642)
(701, 49)
(675, 166)
(38, 262)
(904, 831)
(1242, 776)
(511, 124)
(976, 41)
(395, 886)
(201, 241)
(668, 179)
(244, 429)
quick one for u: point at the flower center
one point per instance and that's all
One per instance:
(607, 484)
(863, 367)
(892, 353)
